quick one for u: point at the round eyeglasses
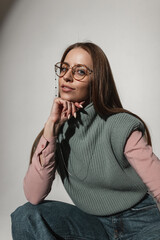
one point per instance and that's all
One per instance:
(78, 71)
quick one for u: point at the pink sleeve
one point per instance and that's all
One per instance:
(38, 179)
(144, 161)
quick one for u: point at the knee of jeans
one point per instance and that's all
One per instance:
(23, 212)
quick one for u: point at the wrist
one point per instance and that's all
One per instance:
(50, 129)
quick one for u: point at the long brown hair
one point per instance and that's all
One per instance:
(104, 93)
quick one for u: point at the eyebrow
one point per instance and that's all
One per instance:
(78, 64)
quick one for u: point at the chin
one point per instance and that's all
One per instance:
(73, 98)
(68, 98)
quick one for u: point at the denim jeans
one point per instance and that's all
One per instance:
(53, 220)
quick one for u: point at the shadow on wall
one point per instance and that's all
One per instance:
(5, 6)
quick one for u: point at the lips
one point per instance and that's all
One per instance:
(66, 88)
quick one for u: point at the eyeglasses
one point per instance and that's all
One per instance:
(79, 71)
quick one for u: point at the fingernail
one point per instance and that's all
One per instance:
(75, 115)
(69, 116)
(80, 106)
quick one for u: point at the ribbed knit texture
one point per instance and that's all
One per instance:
(99, 179)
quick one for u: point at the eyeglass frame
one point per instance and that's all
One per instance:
(72, 71)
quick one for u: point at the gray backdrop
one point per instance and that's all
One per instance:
(33, 36)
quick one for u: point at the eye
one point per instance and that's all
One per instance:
(81, 71)
(63, 68)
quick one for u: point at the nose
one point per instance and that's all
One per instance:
(68, 76)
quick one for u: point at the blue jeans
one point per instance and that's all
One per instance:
(53, 220)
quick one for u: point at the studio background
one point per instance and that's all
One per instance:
(33, 36)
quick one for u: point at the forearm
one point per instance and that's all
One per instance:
(41, 172)
(144, 161)
(39, 177)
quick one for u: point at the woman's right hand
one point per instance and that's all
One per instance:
(61, 111)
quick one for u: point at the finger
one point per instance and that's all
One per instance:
(74, 110)
(64, 116)
(82, 102)
(65, 106)
(69, 109)
(79, 104)
(62, 104)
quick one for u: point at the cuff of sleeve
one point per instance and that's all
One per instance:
(51, 139)
(41, 145)
(50, 148)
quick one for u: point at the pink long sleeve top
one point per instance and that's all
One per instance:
(38, 179)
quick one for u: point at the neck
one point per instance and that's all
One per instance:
(87, 102)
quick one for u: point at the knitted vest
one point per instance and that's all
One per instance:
(92, 165)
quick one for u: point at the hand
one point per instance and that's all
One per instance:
(61, 111)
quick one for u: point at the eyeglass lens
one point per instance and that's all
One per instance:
(78, 71)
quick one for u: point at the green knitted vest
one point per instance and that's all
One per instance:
(92, 165)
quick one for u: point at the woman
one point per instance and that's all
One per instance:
(103, 154)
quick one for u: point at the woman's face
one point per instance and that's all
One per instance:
(71, 89)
